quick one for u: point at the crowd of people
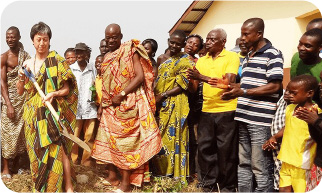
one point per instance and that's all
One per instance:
(222, 118)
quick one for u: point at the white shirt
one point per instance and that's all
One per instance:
(85, 108)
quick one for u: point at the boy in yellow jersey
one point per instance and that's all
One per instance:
(298, 148)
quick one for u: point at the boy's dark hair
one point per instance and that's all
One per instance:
(15, 29)
(101, 55)
(179, 33)
(154, 44)
(309, 82)
(315, 32)
(40, 27)
(196, 36)
(69, 50)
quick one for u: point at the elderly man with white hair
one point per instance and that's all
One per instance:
(217, 131)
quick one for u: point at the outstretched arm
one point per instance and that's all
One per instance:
(272, 142)
(271, 88)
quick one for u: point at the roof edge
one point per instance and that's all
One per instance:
(184, 15)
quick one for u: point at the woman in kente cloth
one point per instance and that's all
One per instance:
(48, 151)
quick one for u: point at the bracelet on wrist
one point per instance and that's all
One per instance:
(165, 95)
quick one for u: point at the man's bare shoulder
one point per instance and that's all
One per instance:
(162, 58)
(5, 54)
(4, 58)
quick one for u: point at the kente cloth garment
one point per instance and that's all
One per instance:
(173, 159)
(128, 135)
(44, 141)
(12, 137)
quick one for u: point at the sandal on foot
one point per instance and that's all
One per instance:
(107, 183)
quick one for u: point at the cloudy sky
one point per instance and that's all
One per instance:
(85, 21)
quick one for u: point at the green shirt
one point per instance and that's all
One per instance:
(299, 68)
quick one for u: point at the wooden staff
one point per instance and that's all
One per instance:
(65, 133)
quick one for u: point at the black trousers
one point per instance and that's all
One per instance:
(218, 150)
(193, 119)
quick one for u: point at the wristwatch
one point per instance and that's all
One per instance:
(123, 93)
(244, 90)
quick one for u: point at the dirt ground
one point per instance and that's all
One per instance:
(97, 183)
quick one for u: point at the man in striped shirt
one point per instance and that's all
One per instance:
(258, 92)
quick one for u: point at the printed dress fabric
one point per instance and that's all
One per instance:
(173, 159)
(128, 135)
(313, 178)
(12, 136)
(44, 141)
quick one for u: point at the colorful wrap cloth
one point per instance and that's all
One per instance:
(45, 144)
(128, 135)
(12, 136)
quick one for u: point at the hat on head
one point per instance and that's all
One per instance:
(81, 46)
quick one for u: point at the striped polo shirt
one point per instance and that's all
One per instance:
(264, 66)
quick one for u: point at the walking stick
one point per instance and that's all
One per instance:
(75, 139)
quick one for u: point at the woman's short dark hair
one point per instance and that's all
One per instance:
(69, 50)
(196, 36)
(154, 44)
(41, 28)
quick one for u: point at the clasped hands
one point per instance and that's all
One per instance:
(232, 90)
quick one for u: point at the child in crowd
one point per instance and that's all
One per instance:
(98, 80)
(297, 149)
(315, 128)
(70, 56)
(274, 143)
(151, 47)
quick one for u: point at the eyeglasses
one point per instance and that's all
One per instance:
(114, 38)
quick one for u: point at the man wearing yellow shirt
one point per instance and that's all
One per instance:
(217, 131)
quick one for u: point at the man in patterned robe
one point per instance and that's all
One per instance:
(12, 138)
(128, 136)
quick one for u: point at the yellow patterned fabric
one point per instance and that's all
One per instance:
(128, 135)
(12, 136)
(43, 139)
(173, 159)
